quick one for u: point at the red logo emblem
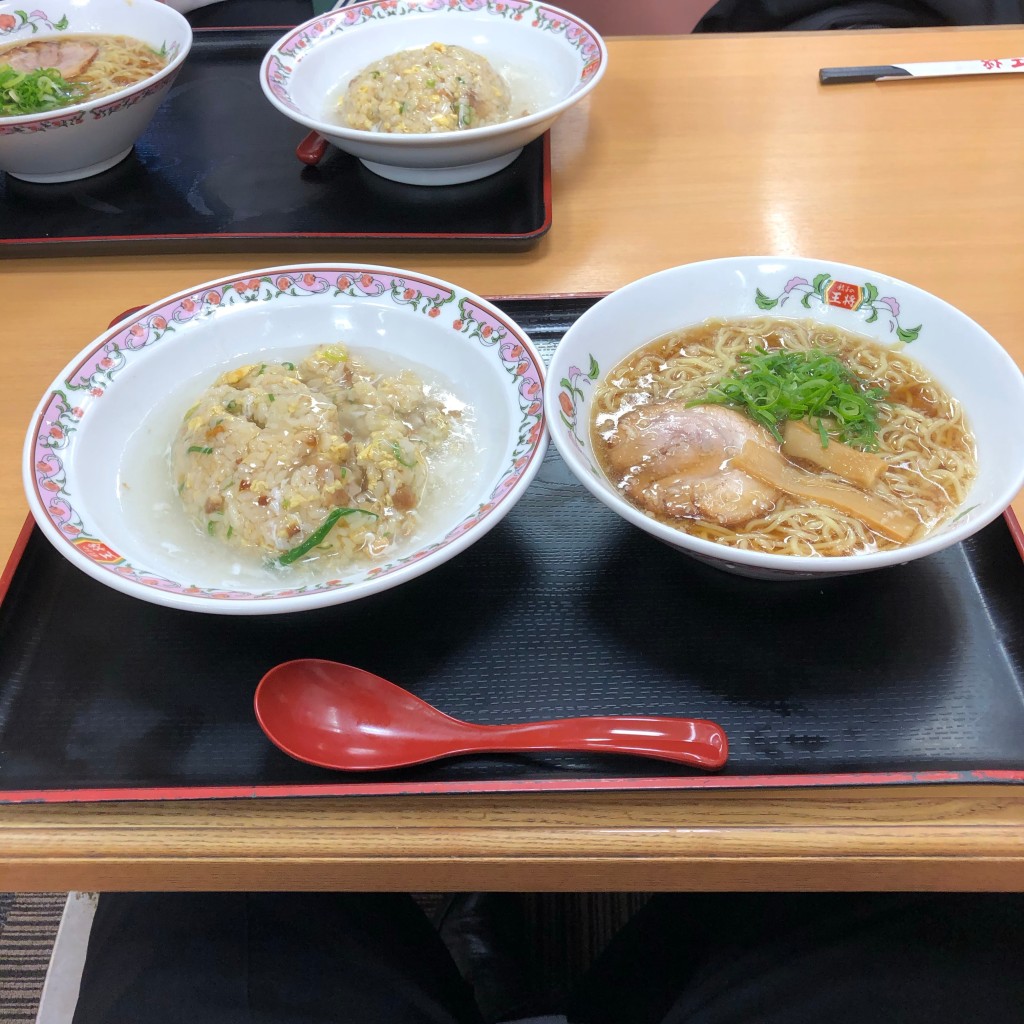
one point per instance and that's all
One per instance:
(843, 295)
(98, 551)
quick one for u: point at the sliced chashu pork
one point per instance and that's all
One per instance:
(69, 56)
(675, 462)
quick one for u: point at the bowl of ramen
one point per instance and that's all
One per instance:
(434, 92)
(80, 81)
(788, 418)
(286, 439)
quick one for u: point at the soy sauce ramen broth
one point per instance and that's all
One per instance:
(95, 64)
(927, 448)
(149, 485)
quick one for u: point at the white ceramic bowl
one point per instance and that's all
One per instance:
(957, 351)
(550, 58)
(87, 138)
(95, 467)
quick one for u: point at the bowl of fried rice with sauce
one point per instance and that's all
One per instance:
(286, 439)
(434, 92)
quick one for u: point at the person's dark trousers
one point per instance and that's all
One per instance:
(717, 958)
(268, 958)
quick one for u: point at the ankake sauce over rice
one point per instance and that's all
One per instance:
(326, 459)
(437, 88)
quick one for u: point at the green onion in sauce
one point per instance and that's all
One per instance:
(320, 533)
(396, 450)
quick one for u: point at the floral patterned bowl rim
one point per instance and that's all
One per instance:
(74, 446)
(288, 54)
(964, 357)
(18, 24)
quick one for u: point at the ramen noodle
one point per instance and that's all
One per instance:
(680, 428)
(90, 65)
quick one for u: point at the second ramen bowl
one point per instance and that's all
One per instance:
(89, 137)
(958, 353)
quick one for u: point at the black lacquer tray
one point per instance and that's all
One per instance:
(216, 171)
(910, 674)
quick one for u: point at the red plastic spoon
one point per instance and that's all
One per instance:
(337, 716)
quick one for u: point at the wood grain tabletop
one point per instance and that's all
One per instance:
(692, 147)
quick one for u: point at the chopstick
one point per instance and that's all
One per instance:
(934, 69)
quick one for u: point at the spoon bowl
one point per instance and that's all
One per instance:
(338, 716)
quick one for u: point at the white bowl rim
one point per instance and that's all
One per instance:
(285, 603)
(805, 565)
(414, 140)
(110, 97)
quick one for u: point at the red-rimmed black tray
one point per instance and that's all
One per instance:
(911, 674)
(216, 171)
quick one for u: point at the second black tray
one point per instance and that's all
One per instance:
(216, 170)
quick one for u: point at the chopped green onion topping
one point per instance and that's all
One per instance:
(288, 366)
(320, 533)
(36, 91)
(200, 450)
(772, 387)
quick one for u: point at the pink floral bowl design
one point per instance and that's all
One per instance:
(958, 352)
(96, 470)
(87, 138)
(550, 58)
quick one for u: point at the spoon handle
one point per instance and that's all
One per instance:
(693, 741)
(311, 149)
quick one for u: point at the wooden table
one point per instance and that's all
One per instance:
(692, 147)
